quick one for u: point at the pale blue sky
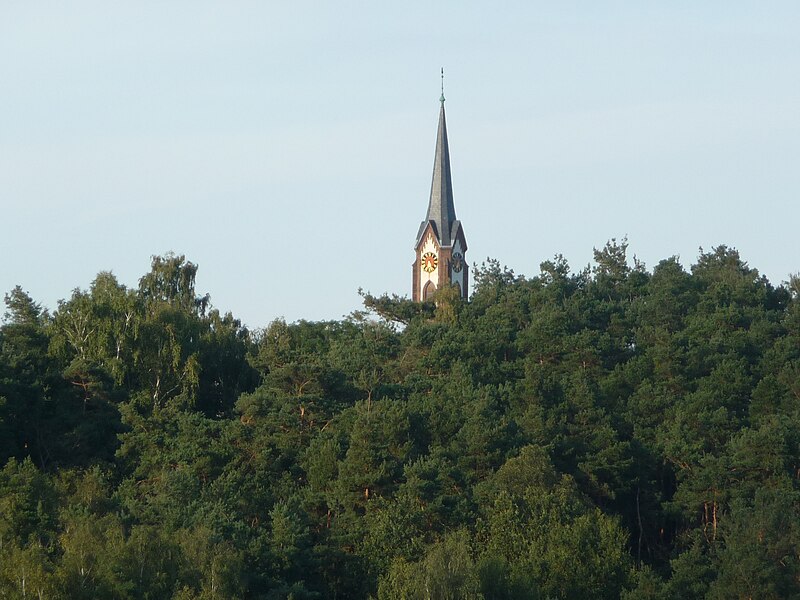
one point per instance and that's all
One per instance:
(287, 148)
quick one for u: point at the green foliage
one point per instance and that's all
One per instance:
(395, 309)
(613, 432)
(447, 572)
(27, 505)
(535, 526)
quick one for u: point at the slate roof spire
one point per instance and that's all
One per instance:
(441, 210)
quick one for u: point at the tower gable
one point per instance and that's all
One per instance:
(428, 265)
(457, 234)
(427, 233)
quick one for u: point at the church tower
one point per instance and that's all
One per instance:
(441, 245)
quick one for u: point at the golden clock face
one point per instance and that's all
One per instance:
(457, 262)
(429, 262)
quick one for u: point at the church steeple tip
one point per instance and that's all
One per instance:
(441, 209)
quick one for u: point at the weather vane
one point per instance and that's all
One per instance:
(442, 98)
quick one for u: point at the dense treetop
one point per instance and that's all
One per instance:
(613, 432)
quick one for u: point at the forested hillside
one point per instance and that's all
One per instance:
(612, 432)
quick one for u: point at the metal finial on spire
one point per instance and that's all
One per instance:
(442, 98)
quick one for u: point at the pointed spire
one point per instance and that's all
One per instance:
(441, 209)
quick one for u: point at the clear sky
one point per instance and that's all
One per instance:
(287, 147)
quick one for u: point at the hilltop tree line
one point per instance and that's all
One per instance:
(611, 432)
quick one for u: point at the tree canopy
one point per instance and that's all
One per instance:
(611, 432)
